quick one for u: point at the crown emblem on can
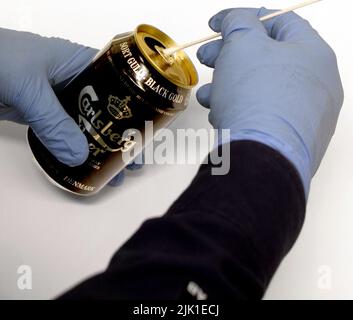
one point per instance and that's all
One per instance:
(119, 108)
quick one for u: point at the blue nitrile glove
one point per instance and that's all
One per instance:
(30, 65)
(276, 83)
(137, 164)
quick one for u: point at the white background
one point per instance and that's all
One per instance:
(65, 239)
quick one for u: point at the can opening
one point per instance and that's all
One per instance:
(153, 43)
(177, 68)
(158, 47)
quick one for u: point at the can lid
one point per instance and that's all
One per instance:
(181, 71)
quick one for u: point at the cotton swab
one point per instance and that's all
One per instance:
(169, 52)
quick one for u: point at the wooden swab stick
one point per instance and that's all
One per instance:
(170, 51)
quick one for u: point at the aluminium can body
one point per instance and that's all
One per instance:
(126, 84)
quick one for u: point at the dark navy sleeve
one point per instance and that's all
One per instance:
(224, 237)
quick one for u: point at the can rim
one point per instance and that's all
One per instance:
(190, 65)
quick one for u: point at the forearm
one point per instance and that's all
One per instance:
(228, 234)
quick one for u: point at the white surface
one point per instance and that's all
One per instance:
(171, 51)
(65, 239)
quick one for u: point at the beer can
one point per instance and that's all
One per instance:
(128, 83)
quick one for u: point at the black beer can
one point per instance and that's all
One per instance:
(128, 83)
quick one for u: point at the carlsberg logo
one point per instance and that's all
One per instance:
(90, 121)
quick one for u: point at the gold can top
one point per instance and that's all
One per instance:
(180, 70)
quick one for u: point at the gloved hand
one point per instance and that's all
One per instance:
(276, 83)
(30, 65)
(137, 164)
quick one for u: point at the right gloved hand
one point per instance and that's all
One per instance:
(276, 83)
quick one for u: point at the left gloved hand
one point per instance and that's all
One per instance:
(30, 65)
